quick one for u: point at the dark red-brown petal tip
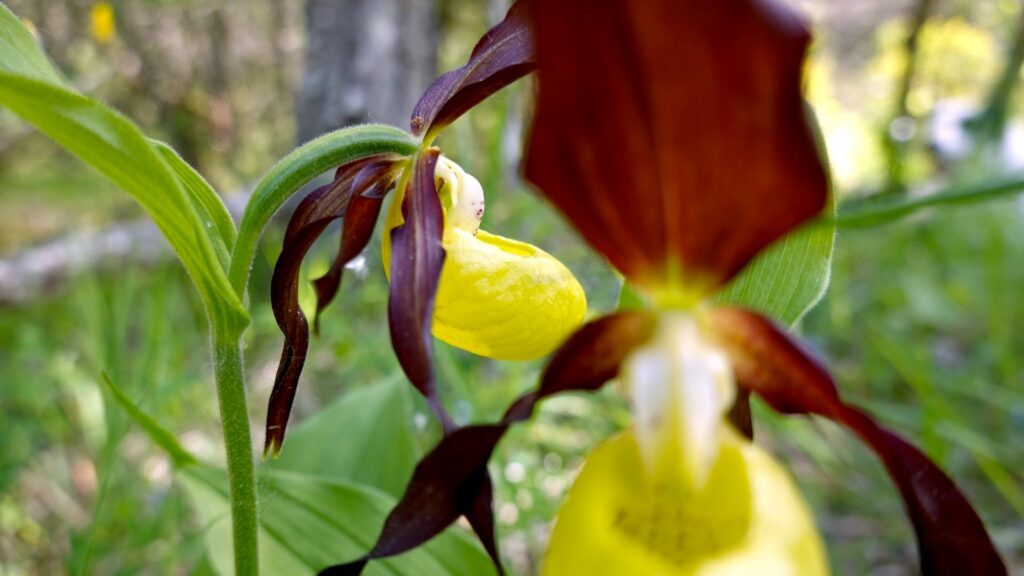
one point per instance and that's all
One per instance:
(501, 57)
(674, 134)
(369, 184)
(312, 216)
(951, 538)
(417, 258)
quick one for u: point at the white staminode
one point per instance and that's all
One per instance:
(681, 386)
(467, 195)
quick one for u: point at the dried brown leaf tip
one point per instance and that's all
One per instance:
(341, 199)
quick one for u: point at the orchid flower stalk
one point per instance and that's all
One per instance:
(675, 138)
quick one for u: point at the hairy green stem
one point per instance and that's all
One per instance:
(234, 416)
(284, 179)
(298, 168)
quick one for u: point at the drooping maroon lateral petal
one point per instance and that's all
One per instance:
(417, 258)
(504, 55)
(951, 539)
(369, 185)
(312, 216)
(673, 134)
(452, 480)
(480, 515)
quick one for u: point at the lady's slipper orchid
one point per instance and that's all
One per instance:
(497, 297)
(487, 294)
(747, 518)
(674, 136)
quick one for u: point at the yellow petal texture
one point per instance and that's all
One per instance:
(498, 297)
(748, 519)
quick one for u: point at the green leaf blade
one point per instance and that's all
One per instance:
(308, 523)
(115, 148)
(787, 279)
(21, 53)
(157, 433)
(205, 199)
(365, 437)
(111, 144)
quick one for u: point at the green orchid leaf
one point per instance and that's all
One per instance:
(20, 53)
(364, 437)
(632, 299)
(783, 282)
(157, 433)
(787, 279)
(116, 148)
(204, 198)
(309, 522)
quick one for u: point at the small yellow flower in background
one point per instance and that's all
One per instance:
(498, 297)
(102, 22)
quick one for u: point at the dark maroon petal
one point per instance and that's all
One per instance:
(951, 538)
(312, 216)
(673, 134)
(588, 359)
(739, 414)
(356, 231)
(480, 515)
(369, 184)
(416, 261)
(501, 57)
(452, 480)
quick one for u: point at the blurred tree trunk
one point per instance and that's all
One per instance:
(989, 123)
(895, 137)
(366, 61)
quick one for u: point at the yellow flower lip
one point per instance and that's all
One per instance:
(497, 297)
(748, 519)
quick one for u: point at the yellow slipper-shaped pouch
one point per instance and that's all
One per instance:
(748, 518)
(498, 297)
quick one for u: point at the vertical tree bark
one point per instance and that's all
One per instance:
(895, 147)
(989, 123)
(367, 61)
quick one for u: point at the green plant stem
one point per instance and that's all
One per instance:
(298, 168)
(234, 416)
(283, 180)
